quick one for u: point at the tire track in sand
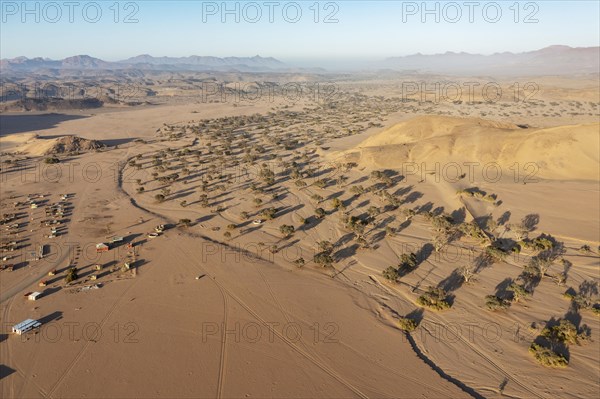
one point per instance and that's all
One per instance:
(284, 339)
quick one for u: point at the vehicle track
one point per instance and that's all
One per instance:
(393, 291)
(87, 344)
(223, 358)
(289, 343)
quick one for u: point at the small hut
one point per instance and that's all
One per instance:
(102, 247)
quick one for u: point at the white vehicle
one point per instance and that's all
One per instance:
(257, 221)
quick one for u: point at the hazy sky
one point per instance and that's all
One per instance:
(291, 31)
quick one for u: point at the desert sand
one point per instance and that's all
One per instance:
(220, 305)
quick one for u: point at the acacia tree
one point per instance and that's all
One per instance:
(391, 274)
(71, 275)
(286, 230)
(467, 272)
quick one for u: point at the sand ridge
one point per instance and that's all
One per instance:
(563, 152)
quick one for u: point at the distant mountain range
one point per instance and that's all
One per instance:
(146, 62)
(553, 60)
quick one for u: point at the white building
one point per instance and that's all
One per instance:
(25, 326)
(34, 296)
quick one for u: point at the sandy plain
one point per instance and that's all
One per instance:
(256, 322)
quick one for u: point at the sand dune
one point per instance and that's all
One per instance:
(564, 152)
(34, 145)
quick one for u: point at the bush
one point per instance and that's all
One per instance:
(268, 213)
(320, 183)
(541, 243)
(518, 291)
(408, 260)
(547, 357)
(299, 262)
(472, 230)
(494, 253)
(71, 275)
(320, 213)
(492, 302)
(51, 160)
(357, 190)
(184, 222)
(286, 230)
(406, 324)
(336, 203)
(390, 274)
(326, 246)
(317, 198)
(434, 298)
(564, 332)
(324, 259)
(159, 198)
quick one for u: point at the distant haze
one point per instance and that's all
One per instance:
(553, 60)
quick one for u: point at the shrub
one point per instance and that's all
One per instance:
(434, 298)
(541, 243)
(547, 357)
(320, 213)
(299, 262)
(316, 197)
(472, 230)
(518, 291)
(268, 213)
(320, 183)
(390, 274)
(407, 324)
(324, 259)
(51, 160)
(494, 253)
(326, 246)
(492, 302)
(467, 273)
(408, 260)
(564, 332)
(159, 198)
(71, 274)
(357, 190)
(336, 203)
(286, 230)
(184, 222)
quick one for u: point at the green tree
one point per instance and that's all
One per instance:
(286, 230)
(71, 274)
